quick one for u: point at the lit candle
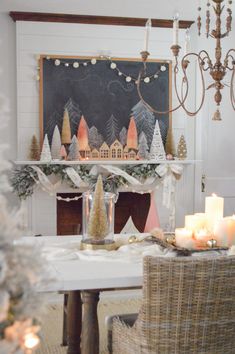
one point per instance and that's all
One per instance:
(183, 238)
(186, 42)
(202, 236)
(225, 232)
(214, 210)
(176, 29)
(202, 221)
(147, 32)
(191, 222)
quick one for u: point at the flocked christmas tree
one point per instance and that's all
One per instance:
(46, 152)
(34, 152)
(66, 130)
(123, 136)
(182, 148)
(74, 150)
(143, 146)
(56, 144)
(98, 222)
(157, 151)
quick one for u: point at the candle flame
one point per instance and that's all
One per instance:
(31, 340)
(214, 195)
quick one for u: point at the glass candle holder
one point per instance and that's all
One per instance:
(98, 221)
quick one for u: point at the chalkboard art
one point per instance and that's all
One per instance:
(90, 108)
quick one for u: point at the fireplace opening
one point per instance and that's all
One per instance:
(69, 214)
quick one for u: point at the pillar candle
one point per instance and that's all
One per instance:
(225, 232)
(147, 32)
(176, 29)
(183, 238)
(215, 210)
(196, 222)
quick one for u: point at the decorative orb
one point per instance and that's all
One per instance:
(67, 199)
(163, 68)
(132, 239)
(128, 79)
(47, 57)
(93, 61)
(113, 65)
(66, 64)
(155, 76)
(84, 64)
(119, 73)
(57, 62)
(211, 243)
(169, 157)
(76, 65)
(147, 80)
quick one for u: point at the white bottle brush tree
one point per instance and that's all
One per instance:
(74, 149)
(157, 151)
(98, 222)
(46, 152)
(56, 144)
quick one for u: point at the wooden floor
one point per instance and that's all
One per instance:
(51, 332)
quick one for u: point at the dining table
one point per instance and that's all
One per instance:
(84, 274)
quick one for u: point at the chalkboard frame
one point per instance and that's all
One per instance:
(87, 58)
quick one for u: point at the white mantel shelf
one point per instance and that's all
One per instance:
(108, 162)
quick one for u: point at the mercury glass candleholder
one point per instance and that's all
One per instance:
(98, 221)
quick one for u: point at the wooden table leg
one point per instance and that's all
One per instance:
(74, 322)
(90, 326)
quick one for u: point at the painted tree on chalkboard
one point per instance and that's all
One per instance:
(145, 120)
(74, 114)
(123, 136)
(95, 139)
(112, 130)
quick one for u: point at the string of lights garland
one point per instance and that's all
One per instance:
(75, 64)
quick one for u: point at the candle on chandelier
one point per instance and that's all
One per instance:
(225, 232)
(214, 208)
(186, 42)
(147, 32)
(176, 29)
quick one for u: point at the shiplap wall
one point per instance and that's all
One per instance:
(34, 38)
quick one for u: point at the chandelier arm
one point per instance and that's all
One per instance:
(203, 58)
(191, 114)
(175, 85)
(227, 56)
(232, 96)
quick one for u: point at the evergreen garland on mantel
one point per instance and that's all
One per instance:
(23, 178)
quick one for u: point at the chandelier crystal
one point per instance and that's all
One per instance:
(217, 67)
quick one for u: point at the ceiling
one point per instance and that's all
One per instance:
(125, 8)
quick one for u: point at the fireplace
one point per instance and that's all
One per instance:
(69, 214)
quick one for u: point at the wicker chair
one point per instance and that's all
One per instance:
(188, 307)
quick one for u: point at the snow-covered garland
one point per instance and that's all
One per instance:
(113, 65)
(25, 179)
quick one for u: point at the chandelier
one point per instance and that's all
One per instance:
(217, 68)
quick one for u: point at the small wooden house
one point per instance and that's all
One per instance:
(116, 150)
(85, 153)
(95, 154)
(104, 151)
(132, 154)
(125, 153)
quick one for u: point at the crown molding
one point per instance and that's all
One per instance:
(94, 20)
